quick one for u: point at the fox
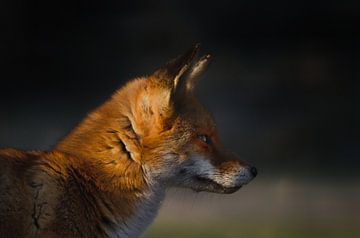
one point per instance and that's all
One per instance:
(109, 175)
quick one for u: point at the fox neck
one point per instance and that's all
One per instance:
(107, 140)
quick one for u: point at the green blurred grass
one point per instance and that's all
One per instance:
(271, 230)
(270, 208)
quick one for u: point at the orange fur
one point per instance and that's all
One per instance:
(108, 177)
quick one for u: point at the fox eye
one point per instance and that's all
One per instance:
(205, 139)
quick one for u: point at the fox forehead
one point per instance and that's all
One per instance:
(198, 118)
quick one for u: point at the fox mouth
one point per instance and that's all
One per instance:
(209, 185)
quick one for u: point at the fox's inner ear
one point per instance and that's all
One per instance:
(169, 75)
(196, 71)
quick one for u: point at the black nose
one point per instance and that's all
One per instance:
(253, 171)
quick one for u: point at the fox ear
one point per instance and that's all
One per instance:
(169, 75)
(196, 71)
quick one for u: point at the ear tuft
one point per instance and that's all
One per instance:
(170, 73)
(196, 71)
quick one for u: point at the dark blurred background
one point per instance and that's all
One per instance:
(283, 85)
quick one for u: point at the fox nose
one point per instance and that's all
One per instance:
(253, 171)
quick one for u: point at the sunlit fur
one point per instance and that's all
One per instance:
(108, 177)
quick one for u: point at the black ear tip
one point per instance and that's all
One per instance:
(206, 57)
(197, 45)
(194, 49)
(192, 52)
(177, 66)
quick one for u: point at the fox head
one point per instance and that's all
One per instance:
(178, 136)
(154, 130)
